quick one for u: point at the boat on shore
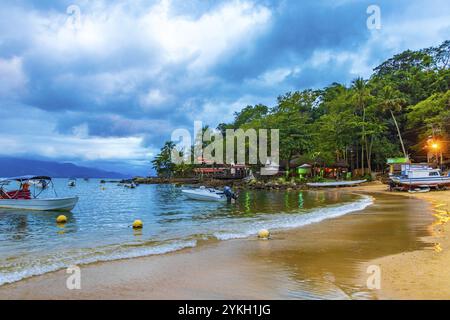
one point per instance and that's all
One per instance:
(207, 194)
(423, 178)
(270, 169)
(22, 197)
(335, 184)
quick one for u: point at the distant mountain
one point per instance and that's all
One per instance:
(10, 167)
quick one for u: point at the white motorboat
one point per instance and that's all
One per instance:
(270, 169)
(22, 198)
(56, 204)
(206, 194)
(422, 177)
(72, 182)
(336, 183)
(130, 185)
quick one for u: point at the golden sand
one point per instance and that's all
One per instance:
(421, 274)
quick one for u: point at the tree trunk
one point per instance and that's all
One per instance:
(369, 155)
(358, 162)
(399, 134)
(364, 141)
(362, 158)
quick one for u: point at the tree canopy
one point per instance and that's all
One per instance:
(406, 99)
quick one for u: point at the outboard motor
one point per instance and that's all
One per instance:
(229, 193)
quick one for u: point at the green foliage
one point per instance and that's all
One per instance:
(162, 162)
(281, 180)
(431, 112)
(387, 115)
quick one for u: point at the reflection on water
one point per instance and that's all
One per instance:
(99, 227)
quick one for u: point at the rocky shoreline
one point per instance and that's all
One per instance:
(238, 184)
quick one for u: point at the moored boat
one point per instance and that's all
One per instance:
(335, 183)
(206, 194)
(22, 197)
(130, 185)
(72, 182)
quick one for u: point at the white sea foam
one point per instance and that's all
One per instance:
(245, 229)
(58, 262)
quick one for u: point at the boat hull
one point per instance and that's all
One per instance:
(335, 184)
(203, 196)
(431, 182)
(58, 204)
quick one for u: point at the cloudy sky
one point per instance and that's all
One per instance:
(104, 83)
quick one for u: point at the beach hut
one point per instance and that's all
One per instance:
(338, 170)
(304, 170)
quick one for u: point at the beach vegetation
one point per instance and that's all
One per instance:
(362, 123)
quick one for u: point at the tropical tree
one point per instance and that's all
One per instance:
(361, 97)
(392, 101)
(162, 163)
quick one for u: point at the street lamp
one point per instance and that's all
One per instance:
(435, 147)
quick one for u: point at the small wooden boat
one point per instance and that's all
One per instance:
(419, 190)
(22, 198)
(335, 184)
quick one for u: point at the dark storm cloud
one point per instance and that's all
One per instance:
(141, 69)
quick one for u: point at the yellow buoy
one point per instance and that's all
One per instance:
(61, 219)
(264, 234)
(137, 224)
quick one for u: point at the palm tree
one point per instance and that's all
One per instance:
(162, 162)
(391, 101)
(362, 93)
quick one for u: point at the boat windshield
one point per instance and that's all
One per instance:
(24, 190)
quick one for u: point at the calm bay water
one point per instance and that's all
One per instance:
(31, 243)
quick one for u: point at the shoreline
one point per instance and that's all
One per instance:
(421, 274)
(236, 274)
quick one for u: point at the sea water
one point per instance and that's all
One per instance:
(99, 228)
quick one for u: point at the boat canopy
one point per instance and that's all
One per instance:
(26, 178)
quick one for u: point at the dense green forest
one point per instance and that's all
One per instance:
(406, 100)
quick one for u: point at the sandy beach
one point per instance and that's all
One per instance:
(420, 274)
(401, 233)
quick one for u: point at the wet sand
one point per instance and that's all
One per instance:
(420, 274)
(326, 260)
